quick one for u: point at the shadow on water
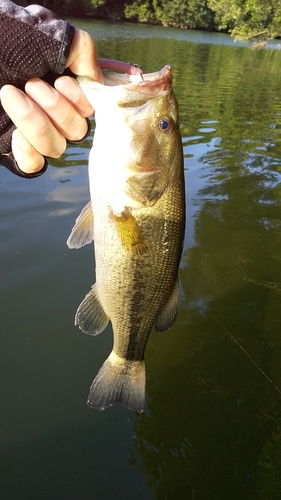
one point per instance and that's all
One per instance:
(211, 429)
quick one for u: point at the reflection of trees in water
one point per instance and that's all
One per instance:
(213, 429)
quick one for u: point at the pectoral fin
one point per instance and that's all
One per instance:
(83, 231)
(90, 316)
(129, 232)
(167, 315)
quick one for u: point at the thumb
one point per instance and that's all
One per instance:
(82, 59)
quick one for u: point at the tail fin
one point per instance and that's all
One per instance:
(119, 381)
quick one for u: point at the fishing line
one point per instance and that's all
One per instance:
(235, 340)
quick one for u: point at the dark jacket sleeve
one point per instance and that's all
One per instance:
(34, 42)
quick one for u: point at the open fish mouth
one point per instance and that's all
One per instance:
(133, 77)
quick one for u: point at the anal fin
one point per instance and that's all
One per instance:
(90, 316)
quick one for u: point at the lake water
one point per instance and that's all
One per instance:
(211, 429)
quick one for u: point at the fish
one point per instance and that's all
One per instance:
(136, 218)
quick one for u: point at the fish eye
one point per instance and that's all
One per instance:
(165, 124)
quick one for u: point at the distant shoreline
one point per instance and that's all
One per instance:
(117, 19)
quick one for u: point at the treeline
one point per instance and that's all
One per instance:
(243, 19)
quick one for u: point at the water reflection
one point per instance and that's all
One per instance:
(212, 424)
(212, 402)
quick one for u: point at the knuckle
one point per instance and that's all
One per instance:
(48, 141)
(56, 149)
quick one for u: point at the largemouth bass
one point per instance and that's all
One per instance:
(136, 218)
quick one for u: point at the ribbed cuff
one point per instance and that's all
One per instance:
(65, 48)
(85, 136)
(10, 163)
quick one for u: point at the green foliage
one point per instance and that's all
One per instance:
(140, 11)
(247, 20)
(177, 13)
(112, 9)
(185, 14)
(225, 12)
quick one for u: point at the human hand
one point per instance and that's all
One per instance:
(45, 116)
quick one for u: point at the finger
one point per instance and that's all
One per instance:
(70, 89)
(32, 122)
(83, 59)
(26, 156)
(62, 114)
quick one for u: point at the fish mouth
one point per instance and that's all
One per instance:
(133, 78)
(161, 80)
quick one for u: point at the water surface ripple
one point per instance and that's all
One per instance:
(212, 425)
